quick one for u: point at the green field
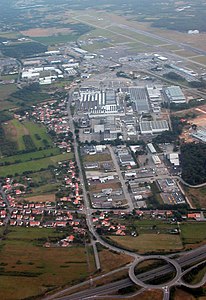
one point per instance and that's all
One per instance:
(56, 39)
(35, 165)
(29, 269)
(9, 77)
(5, 91)
(42, 176)
(10, 35)
(151, 226)
(16, 130)
(135, 36)
(44, 189)
(159, 239)
(33, 129)
(150, 242)
(30, 156)
(113, 37)
(194, 232)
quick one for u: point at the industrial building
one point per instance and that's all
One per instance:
(174, 159)
(174, 94)
(99, 103)
(155, 97)
(138, 96)
(200, 134)
(156, 159)
(152, 127)
(151, 148)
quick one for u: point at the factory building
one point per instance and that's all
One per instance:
(174, 94)
(152, 127)
(200, 134)
(156, 159)
(151, 148)
(138, 96)
(174, 159)
(98, 103)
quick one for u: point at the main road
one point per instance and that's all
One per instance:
(124, 187)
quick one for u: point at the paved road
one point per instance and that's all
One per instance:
(96, 255)
(124, 187)
(9, 209)
(141, 280)
(166, 293)
(187, 259)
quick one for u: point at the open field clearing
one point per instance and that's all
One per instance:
(138, 47)
(94, 20)
(99, 186)
(197, 196)
(149, 226)
(42, 32)
(10, 35)
(135, 36)
(184, 53)
(30, 156)
(34, 166)
(193, 233)
(56, 39)
(96, 158)
(183, 295)
(42, 198)
(96, 46)
(29, 270)
(5, 91)
(16, 130)
(42, 176)
(113, 37)
(200, 59)
(45, 188)
(171, 47)
(110, 261)
(150, 242)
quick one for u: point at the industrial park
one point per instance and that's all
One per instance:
(102, 150)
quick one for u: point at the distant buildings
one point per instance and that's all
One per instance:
(174, 94)
(152, 127)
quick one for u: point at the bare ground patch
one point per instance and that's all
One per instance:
(41, 198)
(42, 32)
(110, 185)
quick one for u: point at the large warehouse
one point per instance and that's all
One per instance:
(98, 103)
(174, 94)
(138, 96)
(152, 127)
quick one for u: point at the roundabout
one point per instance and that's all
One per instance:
(167, 260)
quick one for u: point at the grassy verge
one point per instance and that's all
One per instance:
(30, 156)
(34, 166)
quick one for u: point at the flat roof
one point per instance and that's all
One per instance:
(139, 96)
